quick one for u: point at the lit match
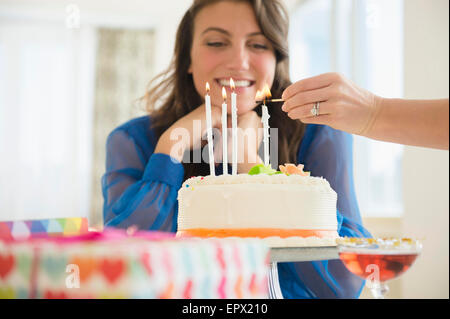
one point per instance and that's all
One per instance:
(270, 101)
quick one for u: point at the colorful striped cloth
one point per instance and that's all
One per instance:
(24, 229)
(114, 264)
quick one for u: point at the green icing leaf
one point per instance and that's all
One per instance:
(262, 169)
(276, 173)
(255, 170)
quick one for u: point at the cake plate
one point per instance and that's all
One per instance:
(295, 254)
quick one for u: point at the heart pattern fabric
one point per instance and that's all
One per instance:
(134, 268)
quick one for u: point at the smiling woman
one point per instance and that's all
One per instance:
(217, 40)
(245, 40)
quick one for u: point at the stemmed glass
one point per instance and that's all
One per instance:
(378, 260)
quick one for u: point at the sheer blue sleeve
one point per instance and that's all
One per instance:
(328, 153)
(139, 187)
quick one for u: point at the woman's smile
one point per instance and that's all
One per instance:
(240, 84)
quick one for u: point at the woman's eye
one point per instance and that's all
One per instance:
(259, 46)
(215, 44)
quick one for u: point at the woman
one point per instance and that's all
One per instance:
(216, 40)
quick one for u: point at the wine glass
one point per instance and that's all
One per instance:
(378, 260)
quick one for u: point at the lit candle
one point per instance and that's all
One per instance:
(234, 127)
(209, 131)
(224, 133)
(265, 121)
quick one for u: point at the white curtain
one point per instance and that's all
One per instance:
(46, 90)
(124, 66)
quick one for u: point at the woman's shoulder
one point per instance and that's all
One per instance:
(138, 129)
(137, 123)
(317, 131)
(322, 136)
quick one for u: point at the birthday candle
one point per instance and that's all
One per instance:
(234, 127)
(224, 132)
(265, 121)
(209, 131)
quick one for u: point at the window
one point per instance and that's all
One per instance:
(361, 39)
(45, 120)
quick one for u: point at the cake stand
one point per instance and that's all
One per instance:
(295, 254)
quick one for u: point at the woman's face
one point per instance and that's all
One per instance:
(228, 43)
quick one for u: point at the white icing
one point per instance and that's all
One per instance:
(278, 242)
(275, 242)
(257, 179)
(257, 201)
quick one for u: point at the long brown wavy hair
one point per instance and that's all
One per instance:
(180, 97)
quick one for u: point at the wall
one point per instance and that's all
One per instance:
(130, 14)
(425, 171)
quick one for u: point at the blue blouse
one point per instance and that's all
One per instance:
(140, 188)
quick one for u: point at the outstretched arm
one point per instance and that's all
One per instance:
(411, 122)
(347, 107)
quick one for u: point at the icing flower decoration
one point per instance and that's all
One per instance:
(291, 169)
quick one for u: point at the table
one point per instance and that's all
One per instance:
(295, 254)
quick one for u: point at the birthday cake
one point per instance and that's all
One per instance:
(284, 208)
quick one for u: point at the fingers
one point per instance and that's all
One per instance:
(313, 83)
(216, 113)
(304, 112)
(325, 119)
(249, 119)
(306, 97)
(251, 113)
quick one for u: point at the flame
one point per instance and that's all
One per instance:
(266, 92)
(232, 84)
(259, 96)
(224, 93)
(207, 88)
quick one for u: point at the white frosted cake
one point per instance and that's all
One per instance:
(284, 210)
